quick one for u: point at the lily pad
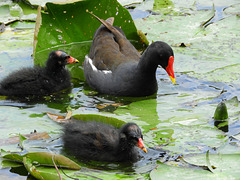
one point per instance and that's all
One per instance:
(226, 164)
(142, 112)
(99, 118)
(226, 168)
(172, 172)
(163, 6)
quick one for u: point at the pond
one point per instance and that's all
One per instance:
(176, 121)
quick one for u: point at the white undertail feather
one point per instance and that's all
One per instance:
(89, 61)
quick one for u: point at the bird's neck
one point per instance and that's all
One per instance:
(124, 145)
(55, 71)
(127, 151)
(148, 62)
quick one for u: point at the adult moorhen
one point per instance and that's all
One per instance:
(39, 80)
(115, 67)
(101, 142)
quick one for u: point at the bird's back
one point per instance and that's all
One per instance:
(33, 81)
(20, 81)
(110, 47)
(91, 140)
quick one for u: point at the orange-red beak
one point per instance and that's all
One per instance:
(169, 69)
(71, 60)
(141, 145)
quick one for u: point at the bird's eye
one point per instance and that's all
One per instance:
(67, 57)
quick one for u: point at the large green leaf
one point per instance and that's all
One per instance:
(44, 159)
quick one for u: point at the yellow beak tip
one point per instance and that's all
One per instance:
(144, 149)
(173, 79)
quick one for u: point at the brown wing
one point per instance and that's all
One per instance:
(110, 46)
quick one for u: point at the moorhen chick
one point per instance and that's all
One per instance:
(102, 142)
(115, 67)
(39, 80)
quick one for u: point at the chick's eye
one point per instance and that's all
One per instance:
(67, 57)
(134, 139)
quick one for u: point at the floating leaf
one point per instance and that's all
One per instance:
(80, 115)
(226, 166)
(14, 157)
(7, 164)
(142, 110)
(36, 173)
(45, 159)
(163, 6)
(33, 162)
(175, 172)
(99, 118)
